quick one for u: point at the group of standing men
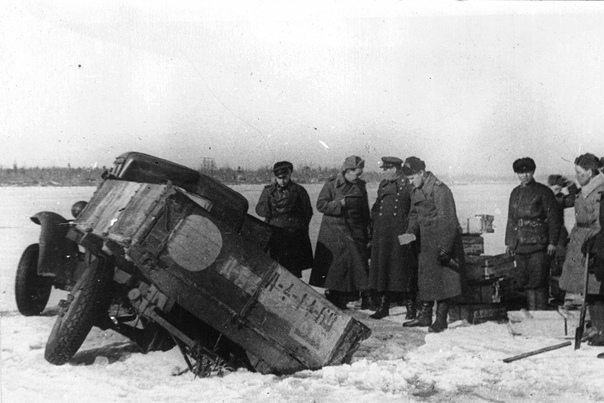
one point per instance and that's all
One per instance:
(408, 243)
(535, 235)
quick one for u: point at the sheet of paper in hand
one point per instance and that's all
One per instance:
(406, 239)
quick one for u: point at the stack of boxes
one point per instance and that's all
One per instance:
(490, 284)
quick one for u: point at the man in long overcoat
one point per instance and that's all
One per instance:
(433, 218)
(341, 256)
(285, 205)
(565, 194)
(393, 266)
(588, 213)
(597, 249)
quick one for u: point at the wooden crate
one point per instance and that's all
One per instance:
(488, 291)
(473, 244)
(499, 266)
(478, 313)
(222, 278)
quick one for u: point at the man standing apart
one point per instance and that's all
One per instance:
(393, 266)
(532, 233)
(441, 272)
(286, 205)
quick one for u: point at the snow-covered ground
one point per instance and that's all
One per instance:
(395, 364)
(462, 364)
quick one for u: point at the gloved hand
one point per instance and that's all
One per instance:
(444, 259)
(572, 189)
(588, 245)
(509, 251)
(443, 256)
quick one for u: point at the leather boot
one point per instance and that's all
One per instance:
(411, 307)
(424, 316)
(596, 315)
(330, 295)
(531, 299)
(368, 300)
(541, 299)
(337, 298)
(383, 308)
(440, 323)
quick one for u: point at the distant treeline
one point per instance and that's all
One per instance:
(55, 176)
(261, 175)
(69, 176)
(320, 174)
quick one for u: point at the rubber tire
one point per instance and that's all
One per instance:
(31, 291)
(78, 314)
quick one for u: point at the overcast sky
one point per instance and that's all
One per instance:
(466, 86)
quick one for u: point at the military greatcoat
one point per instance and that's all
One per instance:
(599, 248)
(393, 267)
(288, 209)
(341, 257)
(433, 219)
(587, 209)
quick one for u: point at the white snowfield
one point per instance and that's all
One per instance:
(396, 364)
(462, 364)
